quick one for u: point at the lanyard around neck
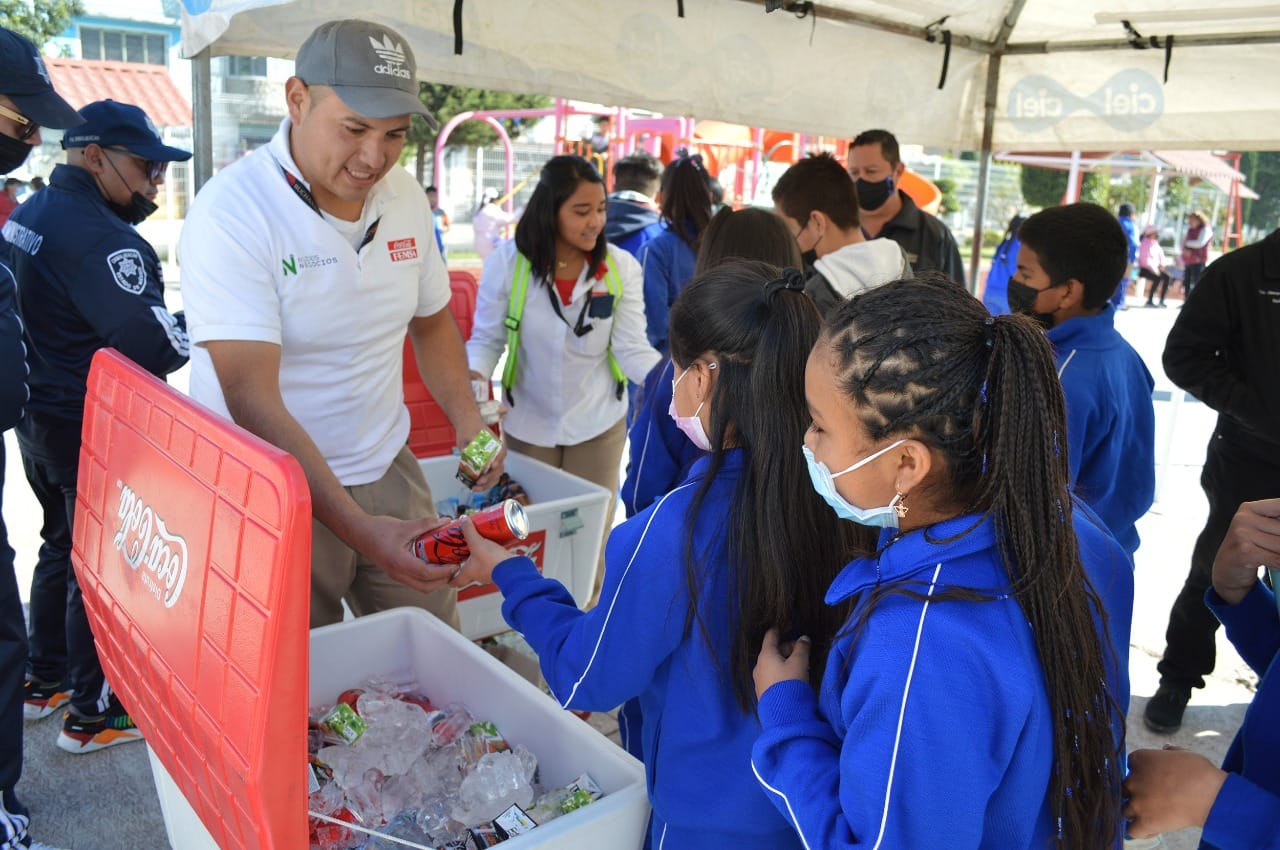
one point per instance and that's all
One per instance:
(300, 189)
(578, 328)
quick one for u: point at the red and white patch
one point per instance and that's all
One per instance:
(402, 249)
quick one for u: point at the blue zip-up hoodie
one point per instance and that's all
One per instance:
(1246, 813)
(933, 727)
(1111, 422)
(697, 740)
(660, 455)
(668, 267)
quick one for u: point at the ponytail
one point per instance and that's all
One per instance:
(922, 358)
(785, 546)
(686, 199)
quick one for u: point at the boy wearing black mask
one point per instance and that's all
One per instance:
(27, 103)
(876, 168)
(86, 280)
(1068, 265)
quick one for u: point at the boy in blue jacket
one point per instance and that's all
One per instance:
(1068, 265)
(1239, 805)
(975, 697)
(692, 582)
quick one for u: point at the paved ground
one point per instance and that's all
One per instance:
(106, 801)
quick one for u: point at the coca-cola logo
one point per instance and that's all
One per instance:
(145, 541)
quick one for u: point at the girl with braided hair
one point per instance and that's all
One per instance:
(975, 696)
(693, 581)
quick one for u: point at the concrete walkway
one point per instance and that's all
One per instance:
(106, 800)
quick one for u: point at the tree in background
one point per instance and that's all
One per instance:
(445, 102)
(949, 202)
(41, 20)
(1043, 187)
(1262, 175)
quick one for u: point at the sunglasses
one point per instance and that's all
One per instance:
(29, 127)
(155, 168)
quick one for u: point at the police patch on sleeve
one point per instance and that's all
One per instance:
(127, 269)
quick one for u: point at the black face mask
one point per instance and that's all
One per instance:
(136, 211)
(1022, 297)
(809, 258)
(138, 208)
(871, 196)
(13, 152)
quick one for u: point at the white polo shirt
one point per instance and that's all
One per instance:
(258, 263)
(564, 392)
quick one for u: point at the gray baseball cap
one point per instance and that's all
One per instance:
(369, 66)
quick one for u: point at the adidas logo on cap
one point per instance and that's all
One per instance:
(392, 56)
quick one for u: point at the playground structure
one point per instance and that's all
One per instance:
(738, 156)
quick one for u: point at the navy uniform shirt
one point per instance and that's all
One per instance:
(86, 280)
(13, 361)
(925, 240)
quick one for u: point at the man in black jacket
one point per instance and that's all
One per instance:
(86, 280)
(1224, 349)
(27, 102)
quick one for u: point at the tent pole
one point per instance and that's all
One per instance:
(984, 168)
(202, 118)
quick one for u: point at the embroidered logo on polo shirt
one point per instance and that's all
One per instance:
(392, 56)
(293, 265)
(127, 269)
(402, 249)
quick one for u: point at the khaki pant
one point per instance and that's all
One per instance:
(596, 460)
(339, 572)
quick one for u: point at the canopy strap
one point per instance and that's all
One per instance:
(457, 27)
(933, 32)
(679, 8)
(1140, 42)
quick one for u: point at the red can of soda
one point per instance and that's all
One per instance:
(503, 523)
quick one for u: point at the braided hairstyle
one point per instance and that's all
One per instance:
(785, 546)
(923, 359)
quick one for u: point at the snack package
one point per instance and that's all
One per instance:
(477, 456)
(343, 722)
(513, 822)
(581, 792)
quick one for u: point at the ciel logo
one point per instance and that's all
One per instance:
(392, 56)
(1130, 100)
(145, 541)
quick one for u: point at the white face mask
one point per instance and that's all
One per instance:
(824, 482)
(690, 426)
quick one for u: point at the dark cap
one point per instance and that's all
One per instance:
(25, 80)
(121, 125)
(369, 67)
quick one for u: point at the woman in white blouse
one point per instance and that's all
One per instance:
(579, 336)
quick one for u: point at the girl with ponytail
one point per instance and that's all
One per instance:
(693, 581)
(975, 697)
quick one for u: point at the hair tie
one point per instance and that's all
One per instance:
(792, 279)
(988, 331)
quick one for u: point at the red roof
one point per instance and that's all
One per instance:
(83, 81)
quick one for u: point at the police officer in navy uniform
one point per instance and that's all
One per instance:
(86, 280)
(27, 103)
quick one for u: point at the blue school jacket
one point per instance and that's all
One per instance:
(696, 739)
(933, 727)
(1246, 814)
(1111, 423)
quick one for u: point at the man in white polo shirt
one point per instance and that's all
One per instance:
(303, 266)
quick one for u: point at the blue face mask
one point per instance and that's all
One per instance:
(825, 485)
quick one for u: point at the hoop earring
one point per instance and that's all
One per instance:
(899, 504)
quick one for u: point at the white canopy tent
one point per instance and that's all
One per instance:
(1030, 75)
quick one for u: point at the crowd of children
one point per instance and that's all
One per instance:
(877, 572)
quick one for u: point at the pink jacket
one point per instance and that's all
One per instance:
(1150, 254)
